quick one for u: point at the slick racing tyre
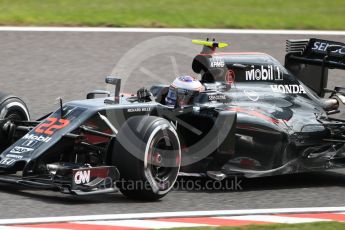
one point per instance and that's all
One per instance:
(11, 108)
(147, 153)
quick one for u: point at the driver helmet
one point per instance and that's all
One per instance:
(182, 91)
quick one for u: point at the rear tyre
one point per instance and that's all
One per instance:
(11, 109)
(147, 153)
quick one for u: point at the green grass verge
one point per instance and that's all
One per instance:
(263, 14)
(308, 226)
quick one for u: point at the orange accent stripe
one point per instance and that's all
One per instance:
(77, 226)
(232, 53)
(255, 114)
(126, 94)
(212, 221)
(235, 53)
(331, 216)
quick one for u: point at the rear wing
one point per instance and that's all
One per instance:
(310, 59)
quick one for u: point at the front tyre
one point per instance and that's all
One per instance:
(11, 109)
(147, 153)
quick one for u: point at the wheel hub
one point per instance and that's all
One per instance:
(157, 159)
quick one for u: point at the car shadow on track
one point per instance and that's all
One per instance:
(55, 197)
(240, 184)
(192, 185)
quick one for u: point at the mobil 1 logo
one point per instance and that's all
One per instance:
(264, 73)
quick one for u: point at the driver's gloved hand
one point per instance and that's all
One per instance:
(144, 95)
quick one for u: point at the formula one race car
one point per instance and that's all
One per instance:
(253, 118)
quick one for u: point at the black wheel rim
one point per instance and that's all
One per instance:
(13, 115)
(163, 161)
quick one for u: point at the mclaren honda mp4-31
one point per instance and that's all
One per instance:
(254, 118)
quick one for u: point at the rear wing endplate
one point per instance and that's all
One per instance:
(310, 59)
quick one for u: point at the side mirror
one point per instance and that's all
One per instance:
(93, 94)
(117, 82)
(112, 80)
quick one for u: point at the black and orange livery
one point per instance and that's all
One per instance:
(255, 118)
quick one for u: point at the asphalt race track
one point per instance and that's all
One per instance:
(42, 66)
